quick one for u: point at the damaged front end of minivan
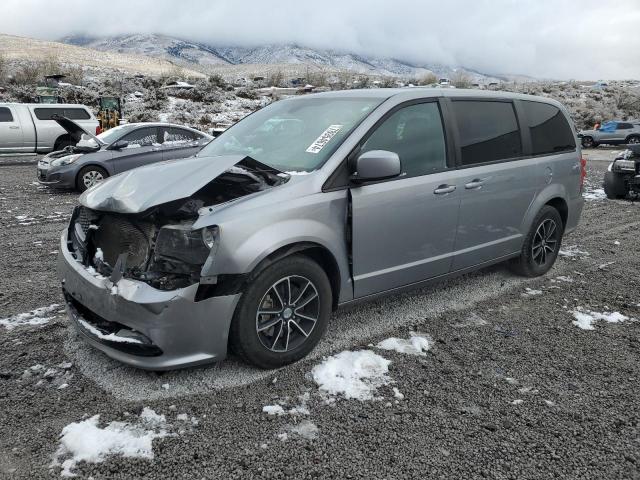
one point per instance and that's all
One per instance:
(135, 272)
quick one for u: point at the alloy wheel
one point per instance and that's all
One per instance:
(634, 140)
(91, 178)
(287, 313)
(545, 242)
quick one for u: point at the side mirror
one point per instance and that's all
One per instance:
(119, 145)
(376, 165)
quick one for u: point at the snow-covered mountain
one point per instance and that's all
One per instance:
(194, 55)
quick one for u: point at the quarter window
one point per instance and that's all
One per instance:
(143, 137)
(488, 131)
(415, 133)
(624, 126)
(549, 129)
(5, 115)
(47, 113)
(76, 114)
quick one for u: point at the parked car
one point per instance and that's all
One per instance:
(254, 241)
(30, 128)
(612, 133)
(117, 150)
(623, 174)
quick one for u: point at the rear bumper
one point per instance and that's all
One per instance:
(140, 325)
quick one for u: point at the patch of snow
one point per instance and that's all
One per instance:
(99, 256)
(585, 319)
(283, 437)
(273, 410)
(39, 316)
(531, 292)
(594, 194)
(306, 429)
(572, 251)
(397, 394)
(518, 401)
(563, 279)
(354, 375)
(415, 345)
(87, 441)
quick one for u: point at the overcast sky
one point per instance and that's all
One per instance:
(582, 39)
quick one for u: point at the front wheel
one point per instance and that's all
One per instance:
(633, 140)
(541, 245)
(90, 176)
(282, 314)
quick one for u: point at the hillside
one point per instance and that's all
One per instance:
(18, 49)
(210, 58)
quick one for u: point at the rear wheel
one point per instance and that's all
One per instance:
(587, 142)
(541, 245)
(90, 176)
(614, 186)
(282, 314)
(62, 144)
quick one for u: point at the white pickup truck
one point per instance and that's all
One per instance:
(28, 127)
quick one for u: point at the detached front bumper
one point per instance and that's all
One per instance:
(139, 325)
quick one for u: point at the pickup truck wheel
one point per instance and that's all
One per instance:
(90, 176)
(282, 314)
(587, 142)
(541, 245)
(614, 186)
(62, 144)
(633, 139)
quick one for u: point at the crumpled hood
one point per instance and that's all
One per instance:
(142, 188)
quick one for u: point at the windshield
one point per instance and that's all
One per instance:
(296, 134)
(110, 136)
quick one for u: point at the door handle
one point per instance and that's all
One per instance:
(14, 128)
(443, 189)
(474, 184)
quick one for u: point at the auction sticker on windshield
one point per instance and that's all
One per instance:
(324, 138)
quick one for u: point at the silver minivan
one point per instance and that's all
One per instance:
(310, 204)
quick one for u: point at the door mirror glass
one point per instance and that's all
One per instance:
(376, 165)
(120, 145)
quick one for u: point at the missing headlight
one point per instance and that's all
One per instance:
(180, 242)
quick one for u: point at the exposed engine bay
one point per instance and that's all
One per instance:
(159, 246)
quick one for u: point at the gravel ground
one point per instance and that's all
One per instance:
(509, 389)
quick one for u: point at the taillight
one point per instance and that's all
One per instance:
(98, 130)
(583, 171)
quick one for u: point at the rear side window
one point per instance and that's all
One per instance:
(415, 133)
(179, 136)
(70, 113)
(488, 131)
(5, 115)
(624, 126)
(549, 129)
(76, 114)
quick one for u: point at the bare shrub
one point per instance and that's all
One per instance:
(461, 80)
(427, 79)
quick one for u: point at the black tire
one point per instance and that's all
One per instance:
(91, 170)
(255, 346)
(587, 142)
(614, 186)
(529, 264)
(633, 139)
(62, 144)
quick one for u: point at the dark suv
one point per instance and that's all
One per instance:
(624, 174)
